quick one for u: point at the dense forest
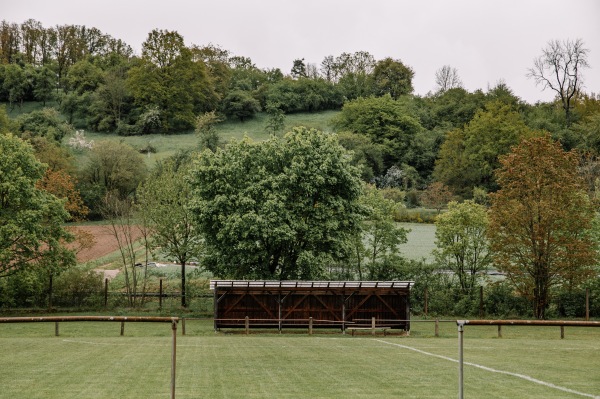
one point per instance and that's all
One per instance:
(452, 135)
(412, 150)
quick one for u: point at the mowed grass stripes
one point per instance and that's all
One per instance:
(90, 360)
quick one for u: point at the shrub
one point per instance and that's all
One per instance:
(27, 288)
(78, 287)
(570, 303)
(500, 300)
(148, 149)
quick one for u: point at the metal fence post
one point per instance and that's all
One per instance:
(460, 358)
(173, 356)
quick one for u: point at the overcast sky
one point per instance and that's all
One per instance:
(485, 40)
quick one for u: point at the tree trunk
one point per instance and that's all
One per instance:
(50, 292)
(183, 302)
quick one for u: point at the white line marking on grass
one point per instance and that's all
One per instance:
(74, 341)
(525, 377)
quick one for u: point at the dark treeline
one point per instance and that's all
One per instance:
(452, 136)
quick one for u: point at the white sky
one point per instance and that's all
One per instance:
(486, 40)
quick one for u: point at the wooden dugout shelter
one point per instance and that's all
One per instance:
(339, 304)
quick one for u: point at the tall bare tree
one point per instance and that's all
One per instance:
(447, 78)
(559, 68)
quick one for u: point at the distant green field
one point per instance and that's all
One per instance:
(90, 360)
(421, 241)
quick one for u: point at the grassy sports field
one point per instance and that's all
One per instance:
(91, 360)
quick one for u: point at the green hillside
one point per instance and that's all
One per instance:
(167, 145)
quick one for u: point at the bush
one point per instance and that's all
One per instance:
(500, 300)
(148, 149)
(124, 129)
(27, 288)
(44, 123)
(570, 304)
(77, 287)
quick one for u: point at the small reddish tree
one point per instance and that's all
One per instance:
(62, 185)
(539, 220)
(436, 196)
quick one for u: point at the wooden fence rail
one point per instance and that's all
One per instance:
(556, 323)
(122, 319)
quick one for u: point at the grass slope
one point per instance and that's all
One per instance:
(167, 145)
(90, 360)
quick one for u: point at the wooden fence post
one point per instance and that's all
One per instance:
(247, 325)
(183, 326)
(122, 328)
(310, 325)
(426, 299)
(56, 328)
(437, 327)
(499, 331)
(160, 294)
(481, 302)
(105, 292)
(562, 332)
(372, 325)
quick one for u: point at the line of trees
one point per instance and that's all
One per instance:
(297, 206)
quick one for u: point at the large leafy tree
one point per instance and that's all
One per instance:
(469, 156)
(461, 241)
(16, 84)
(392, 77)
(351, 72)
(111, 167)
(375, 248)
(385, 121)
(167, 77)
(163, 203)
(539, 221)
(278, 209)
(30, 218)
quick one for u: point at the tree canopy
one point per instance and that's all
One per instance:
(461, 242)
(539, 219)
(278, 209)
(469, 156)
(30, 218)
(163, 203)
